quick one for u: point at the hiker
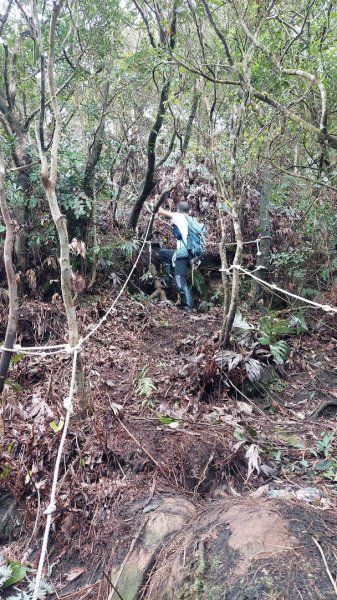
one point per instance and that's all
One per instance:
(178, 260)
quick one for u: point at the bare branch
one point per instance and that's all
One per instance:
(5, 16)
(146, 22)
(219, 33)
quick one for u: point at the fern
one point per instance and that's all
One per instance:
(144, 385)
(128, 247)
(5, 574)
(44, 590)
(280, 351)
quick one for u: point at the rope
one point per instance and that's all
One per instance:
(67, 348)
(104, 318)
(68, 405)
(325, 307)
(51, 508)
(37, 350)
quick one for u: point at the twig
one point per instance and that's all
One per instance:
(84, 589)
(112, 585)
(334, 585)
(132, 545)
(144, 449)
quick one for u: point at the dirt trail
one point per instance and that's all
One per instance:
(185, 441)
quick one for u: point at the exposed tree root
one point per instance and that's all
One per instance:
(317, 413)
(158, 288)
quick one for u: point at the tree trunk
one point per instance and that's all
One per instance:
(49, 183)
(197, 93)
(94, 241)
(13, 313)
(95, 149)
(229, 319)
(228, 322)
(263, 254)
(20, 213)
(149, 182)
(65, 267)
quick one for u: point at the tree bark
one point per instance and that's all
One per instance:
(94, 241)
(197, 92)
(235, 213)
(149, 182)
(49, 182)
(13, 313)
(95, 148)
(263, 254)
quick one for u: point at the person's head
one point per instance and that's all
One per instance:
(182, 207)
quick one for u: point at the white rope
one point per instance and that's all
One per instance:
(104, 318)
(59, 348)
(325, 307)
(36, 350)
(68, 404)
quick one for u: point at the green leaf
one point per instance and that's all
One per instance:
(280, 351)
(239, 434)
(325, 465)
(18, 573)
(5, 472)
(16, 358)
(292, 440)
(173, 423)
(56, 427)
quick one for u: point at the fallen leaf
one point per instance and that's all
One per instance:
(74, 573)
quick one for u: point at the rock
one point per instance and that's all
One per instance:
(308, 494)
(169, 517)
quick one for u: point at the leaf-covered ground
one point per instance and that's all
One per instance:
(161, 421)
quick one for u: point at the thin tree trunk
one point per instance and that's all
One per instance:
(49, 182)
(13, 313)
(235, 213)
(228, 322)
(94, 241)
(224, 264)
(197, 93)
(263, 254)
(149, 182)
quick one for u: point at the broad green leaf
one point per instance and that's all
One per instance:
(56, 427)
(18, 573)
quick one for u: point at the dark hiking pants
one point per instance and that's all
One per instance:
(180, 274)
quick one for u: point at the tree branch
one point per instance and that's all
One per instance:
(5, 16)
(146, 22)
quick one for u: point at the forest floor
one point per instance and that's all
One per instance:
(164, 424)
